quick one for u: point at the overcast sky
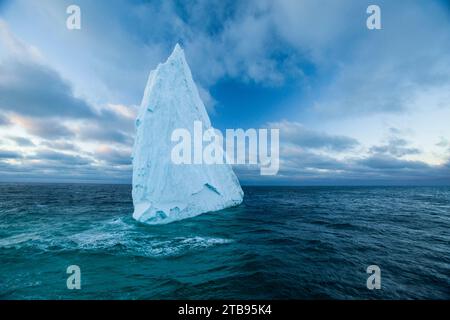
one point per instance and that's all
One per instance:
(354, 106)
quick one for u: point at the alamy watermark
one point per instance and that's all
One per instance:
(73, 21)
(252, 147)
(373, 22)
(74, 280)
(374, 280)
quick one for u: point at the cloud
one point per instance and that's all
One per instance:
(113, 156)
(296, 133)
(308, 157)
(38, 91)
(396, 146)
(23, 142)
(270, 43)
(385, 162)
(300, 160)
(386, 71)
(60, 145)
(15, 49)
(48, 129)
(4, 154)
(51, 166)
(299, 167)
(39, 100)
(30, 87)
(62, 158)
(4, 121)
(116, 118)
(443, 142)
(104, 134)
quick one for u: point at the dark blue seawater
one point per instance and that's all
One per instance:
(282, 242)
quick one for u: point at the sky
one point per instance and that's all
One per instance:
(354, 106)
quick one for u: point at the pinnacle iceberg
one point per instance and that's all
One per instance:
(162, 190)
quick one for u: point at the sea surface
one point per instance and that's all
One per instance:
(281, 243)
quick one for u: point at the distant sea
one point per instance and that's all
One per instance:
(281, 243)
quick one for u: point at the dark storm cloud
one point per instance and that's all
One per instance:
(35, 90)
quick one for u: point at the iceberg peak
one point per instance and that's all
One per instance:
(164, 191)
(177, 49)
(177, 54)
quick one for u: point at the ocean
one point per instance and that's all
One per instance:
(281, 243)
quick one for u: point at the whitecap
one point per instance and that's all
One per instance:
(18, 239)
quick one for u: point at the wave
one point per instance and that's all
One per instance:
(115, 236)
(14, 241)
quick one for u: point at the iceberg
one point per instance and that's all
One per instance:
(163, 191)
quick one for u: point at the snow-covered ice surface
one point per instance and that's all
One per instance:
(162, 190)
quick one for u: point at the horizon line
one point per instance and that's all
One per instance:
(243, 184)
